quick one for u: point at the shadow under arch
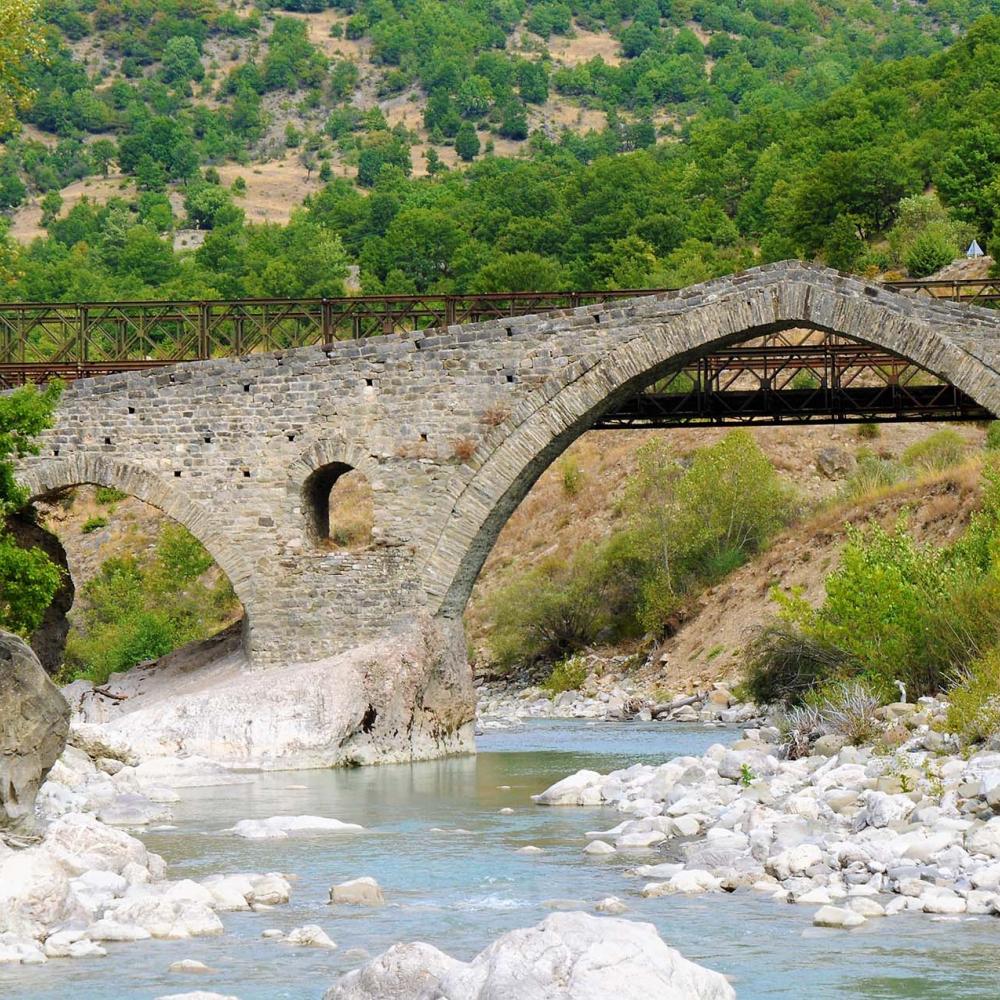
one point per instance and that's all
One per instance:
(49, 476)
(668, 334)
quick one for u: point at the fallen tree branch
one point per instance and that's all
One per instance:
(110, 694)
(691, 699)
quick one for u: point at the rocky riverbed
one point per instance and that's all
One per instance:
(851, 834)
(502, 704)
(857, 833)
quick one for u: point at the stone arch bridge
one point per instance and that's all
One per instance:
(450, 427)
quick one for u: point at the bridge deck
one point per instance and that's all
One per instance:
(774, 380)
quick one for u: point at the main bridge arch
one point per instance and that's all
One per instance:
(952, 342)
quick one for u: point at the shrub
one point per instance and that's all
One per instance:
(685, 528)
(871, 475)
(974, 701)
(107, 495)
(867, 432)
(550, 611)
(893, 611)
(798, 727)
(849, 709)
(993, 436)
(94, 524)
(132, 613)
(784, 663)
(572, 475)
(567, 675)
(940, 450)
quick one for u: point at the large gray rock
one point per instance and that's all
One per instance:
(568, 956)
(405, 972)
(34, 723)
(834, 463)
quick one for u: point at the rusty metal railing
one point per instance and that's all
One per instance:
(42, 340)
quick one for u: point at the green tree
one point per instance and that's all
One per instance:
(102, 155)
(467, 142)
(20, 44)
(182, 60)
(519, 272)
(28, 578)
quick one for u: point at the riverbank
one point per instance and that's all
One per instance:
(854, 833)
(506, 703)
(444, 840)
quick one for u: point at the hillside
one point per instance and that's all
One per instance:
(509, 146)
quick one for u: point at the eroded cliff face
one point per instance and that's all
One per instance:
(407, 696)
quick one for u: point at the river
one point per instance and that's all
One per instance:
(459, 890)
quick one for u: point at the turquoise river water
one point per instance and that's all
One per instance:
(460, 890)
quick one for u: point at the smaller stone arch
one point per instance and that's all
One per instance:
(45, 477)
(331, 485)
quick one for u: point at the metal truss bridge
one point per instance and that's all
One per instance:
(798, 376)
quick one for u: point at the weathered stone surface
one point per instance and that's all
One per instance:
(34, 723)
(451, 428)
(834, 463)
(408, 696)
(404, 972)
(568, 956)
(357, 892)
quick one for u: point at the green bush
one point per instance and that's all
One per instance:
(29, 579)
(134, 612)
(993, 436)
(572, 475)
(974, 701)
(94, 524)
(567, 675)
(784, 662)
(106, 495)
(871, 475)
(866, 431)
(940, 450)
(550, 611)
(685, 528)
(893, 611)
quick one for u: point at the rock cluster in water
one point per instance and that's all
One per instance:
(85, 882)
(856, 833)
(568, 956)
(502, 706)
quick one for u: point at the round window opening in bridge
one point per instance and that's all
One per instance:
(339, 507)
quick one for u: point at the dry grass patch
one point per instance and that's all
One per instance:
(584, 46)
(352, 512)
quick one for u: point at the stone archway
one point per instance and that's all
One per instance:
(313, 476)
(670, 331)
(52, 476)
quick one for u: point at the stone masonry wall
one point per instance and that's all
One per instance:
(451, 428)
